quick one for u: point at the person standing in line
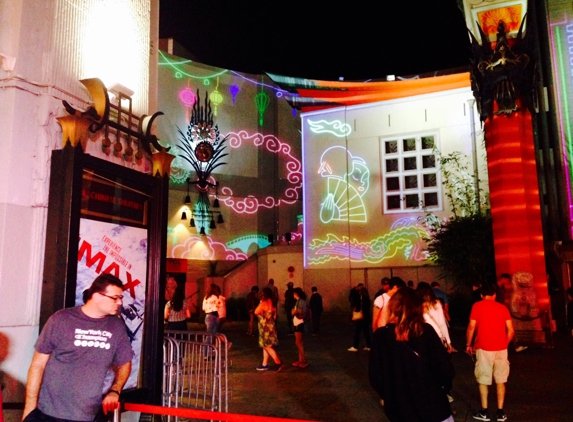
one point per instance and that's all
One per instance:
(221, 309)
(211, 305)
(409, 367)
(299, 318)
(491, 324)
(315, 310)
(505, 287)
(268, 338)
(275, 293)
(252, 303)
(434, 314)
(289, 305)
(380, 310)
(442, 297)
(71, 360)
(177, 311)
(361, 324)
(383, 287)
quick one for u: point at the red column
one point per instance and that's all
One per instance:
(515, 203)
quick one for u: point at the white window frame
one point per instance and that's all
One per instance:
(401, 173)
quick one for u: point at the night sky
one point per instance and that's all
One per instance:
(356, 40)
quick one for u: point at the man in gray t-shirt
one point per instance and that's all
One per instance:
(74, 351)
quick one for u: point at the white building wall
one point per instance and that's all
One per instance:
(46, 47)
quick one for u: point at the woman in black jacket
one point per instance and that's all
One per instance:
(409, 367)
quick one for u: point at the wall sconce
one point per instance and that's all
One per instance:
(74, 129)
(204, 217)
(202, 231)
(183, 215)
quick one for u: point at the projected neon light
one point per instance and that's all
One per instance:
(344, 191)
(216, 97)
(244, 242)
(406, 240)
(204, 247)
(561, 72)
(335, 127)
(271, 143)
(234, 90)
(262, 102)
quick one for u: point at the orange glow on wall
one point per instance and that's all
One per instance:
(510, 15)
(515, 202)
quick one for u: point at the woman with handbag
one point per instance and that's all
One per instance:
(361, 318)
(299, 315)
(409, 366)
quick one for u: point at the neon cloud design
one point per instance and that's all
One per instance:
(344, 191)
(407, 240)
(210, 250)
(271, 143)
(334, 127)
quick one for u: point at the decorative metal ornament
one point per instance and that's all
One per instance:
(504, 77)
(204, 151)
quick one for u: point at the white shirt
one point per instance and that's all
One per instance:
(211, 304)
(381, 302)
(434, 316)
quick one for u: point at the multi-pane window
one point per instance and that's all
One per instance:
(411, 174)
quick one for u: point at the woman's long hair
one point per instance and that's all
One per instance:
(425, 291)
(405, 309)
(301, 294)
(177, 299)
(213, 290)
(267, 293)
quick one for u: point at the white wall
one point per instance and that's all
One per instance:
(55, 43)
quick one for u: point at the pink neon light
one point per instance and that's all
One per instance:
(187, 97)
(251, 204)
(214, 250)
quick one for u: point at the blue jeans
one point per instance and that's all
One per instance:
(212, 323)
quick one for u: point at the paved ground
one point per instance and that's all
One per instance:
(334, 387)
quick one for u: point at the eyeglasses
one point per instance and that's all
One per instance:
(114, 298)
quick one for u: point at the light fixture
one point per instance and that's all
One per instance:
(216, 203)
(202, 231)
(220, 219)
(183, 215)
(212, 225)
(192, 222)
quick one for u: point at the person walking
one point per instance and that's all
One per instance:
(434, 314)
(289, 305)
(409, 367)
(177, 311)
(380, 311)
(252, 303)
(268, 338)
(361, 318)
(316, 309)
(71, 360)
(299, 318)
(489, 332)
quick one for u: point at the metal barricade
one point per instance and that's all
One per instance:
(195, 370)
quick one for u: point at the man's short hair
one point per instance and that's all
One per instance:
(435, 284)
(313, 289)
(487, 289)
(255, 289)
(384, 280)
(396, 281)
(100, 284)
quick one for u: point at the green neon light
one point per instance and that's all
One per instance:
(179, 73)
(407, 240)
(565, 102)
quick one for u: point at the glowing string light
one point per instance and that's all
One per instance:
(174, 65)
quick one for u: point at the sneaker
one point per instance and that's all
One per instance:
(501, 415)
(481, 415)
(279, 367)
(297, 363)
(520, 349)
(367, 349)
(302, 364)
(266, 368)
(353, 349)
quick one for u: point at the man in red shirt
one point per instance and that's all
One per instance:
(494, 332)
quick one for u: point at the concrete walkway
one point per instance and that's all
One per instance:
(334, 387)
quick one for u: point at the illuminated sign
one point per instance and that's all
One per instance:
(344, 189)
(335, 127)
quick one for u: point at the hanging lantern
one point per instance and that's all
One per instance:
(216, 97)
(262, 102)
(234, 91)
(188, 98)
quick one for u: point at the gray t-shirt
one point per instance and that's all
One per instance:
(81, 349)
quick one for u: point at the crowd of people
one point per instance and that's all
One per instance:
(405, 330)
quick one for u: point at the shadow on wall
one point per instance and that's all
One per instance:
(13, 391)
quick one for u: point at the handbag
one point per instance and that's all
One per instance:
(296, 321)
(357, 315)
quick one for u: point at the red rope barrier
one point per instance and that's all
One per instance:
(202, 414)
